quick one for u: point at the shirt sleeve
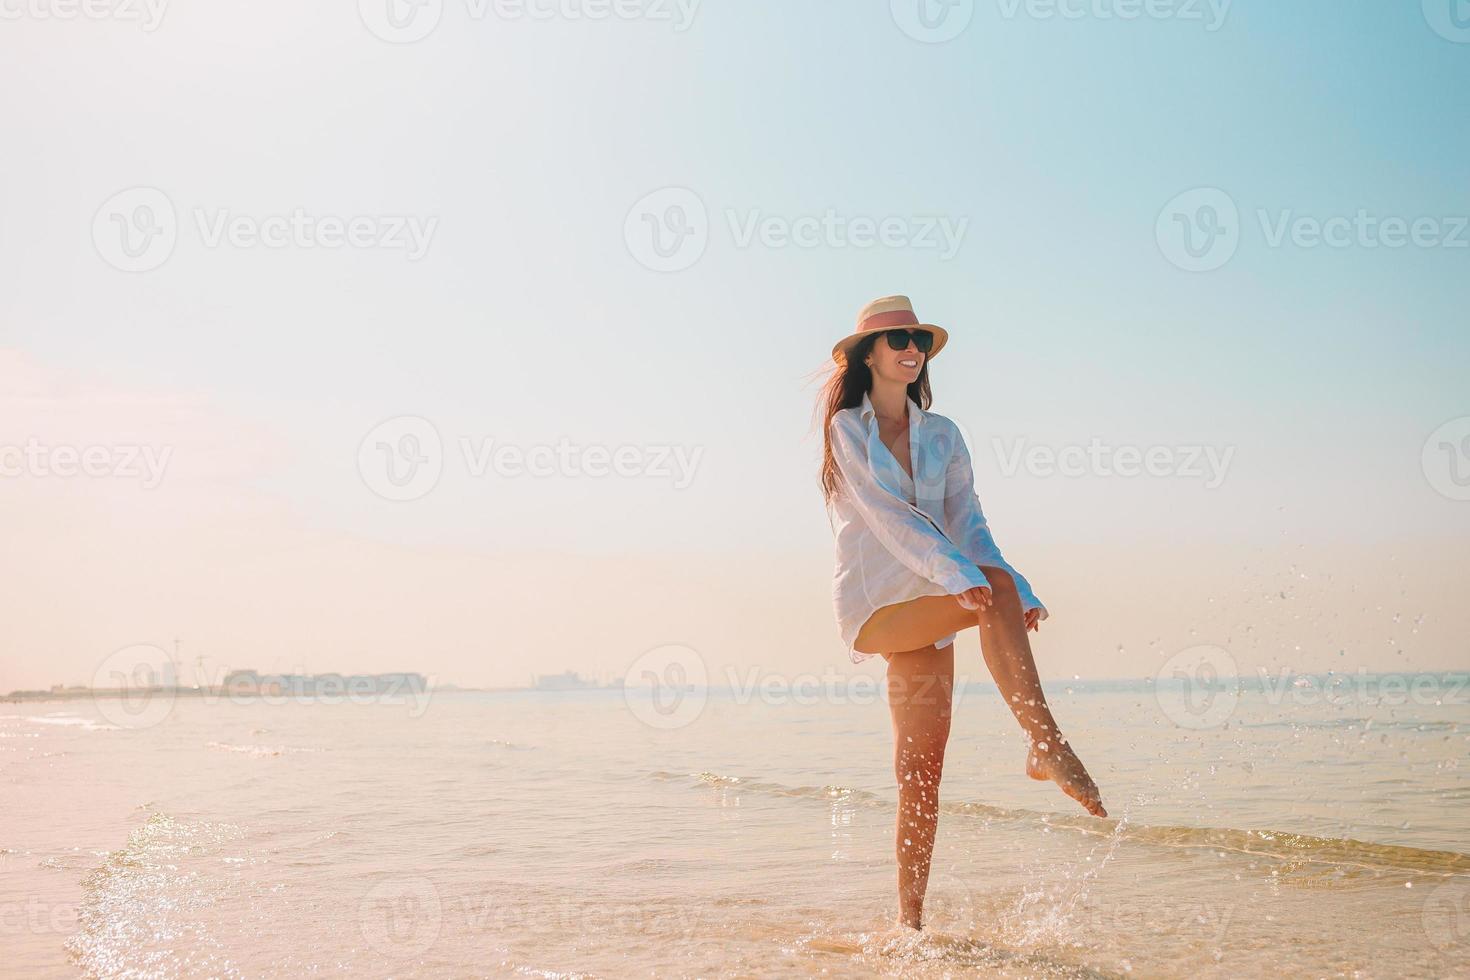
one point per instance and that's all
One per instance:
(962, 512)
(965, 520)
(904, 530)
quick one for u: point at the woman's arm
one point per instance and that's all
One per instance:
(902, 529)
(965, 520)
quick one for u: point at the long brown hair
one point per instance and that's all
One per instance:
(845, 388)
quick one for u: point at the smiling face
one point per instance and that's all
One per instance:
(901, 366)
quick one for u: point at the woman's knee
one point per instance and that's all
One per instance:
(921, 763)
(1002, 585)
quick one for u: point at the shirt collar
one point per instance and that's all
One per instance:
(916, 414)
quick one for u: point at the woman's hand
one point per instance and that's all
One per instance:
(977, 598)
(1033, 620)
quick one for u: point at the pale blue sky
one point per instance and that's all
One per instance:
(529, 319)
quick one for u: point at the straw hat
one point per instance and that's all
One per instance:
(886, 314)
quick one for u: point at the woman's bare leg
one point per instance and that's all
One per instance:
(920, 693)
(1007, 652)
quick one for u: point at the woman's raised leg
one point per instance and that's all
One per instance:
(920, 695)
(1007, 652)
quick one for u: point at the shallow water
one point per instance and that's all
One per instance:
(565, 835)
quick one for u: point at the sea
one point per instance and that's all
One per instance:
(1319, 827)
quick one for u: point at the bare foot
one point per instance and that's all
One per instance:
(1055, 760)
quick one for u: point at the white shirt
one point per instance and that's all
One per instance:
(900, 537)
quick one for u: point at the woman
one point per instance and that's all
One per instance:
(915, 564)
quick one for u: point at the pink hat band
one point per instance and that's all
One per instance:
(892, 318)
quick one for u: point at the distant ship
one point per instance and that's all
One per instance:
(567, 680)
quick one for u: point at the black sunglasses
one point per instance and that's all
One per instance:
(899, 339)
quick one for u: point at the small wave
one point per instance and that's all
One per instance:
(827, 792)
(1367, 724)
(1306, 848)
(532, 971)
(1295, 849)
(86, 724)
(258, 751)
(71, 861)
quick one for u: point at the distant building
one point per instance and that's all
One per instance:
(567, 680)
